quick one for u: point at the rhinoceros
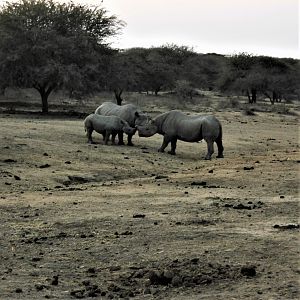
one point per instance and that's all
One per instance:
(174, 125)
(106, 125)
(128, 112)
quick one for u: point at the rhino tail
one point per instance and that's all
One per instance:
(219, 138)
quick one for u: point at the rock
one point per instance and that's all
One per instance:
(19, 290)
(168, 274)
(9, 160)
(201, 183)
(160, 177)
(241, 206)
(91, 270)
(17, 177)
(249, 271)
(78, 179)
(139, 216)
(248, 168)
(194, 260)
(55, 280)
(114, 268)
(39, 287)
(176, 281)
(79, 294)
(126, 233)
(287, 226)
(44, 166)
(36, 259)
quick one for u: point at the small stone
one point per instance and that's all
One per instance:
(91, 270)
(249, 271)
(176, 281)
(54, 280)
(44, 166)
(139, 216)
(248, 168)
(9, 160)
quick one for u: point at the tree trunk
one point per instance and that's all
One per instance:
(44, 97)
(249, 96)
(2, 90)
(44, 92)
(268, 96)
(118, 97)
(254, 95)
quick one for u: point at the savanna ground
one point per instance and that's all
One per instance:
(110, 222)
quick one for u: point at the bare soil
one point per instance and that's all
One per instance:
(111, 222)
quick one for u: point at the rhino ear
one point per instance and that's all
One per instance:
(136, 114)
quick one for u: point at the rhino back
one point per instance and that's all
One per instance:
(101, 123)
(187, 128)
(169, 122)
(126, 112)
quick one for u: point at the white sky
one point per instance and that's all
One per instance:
(260, 27)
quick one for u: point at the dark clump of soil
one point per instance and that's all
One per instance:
(177, 273)
(287, 226)
(249, 271)
(148, 279)
(44, 166)
(9, 160)
(200, 183)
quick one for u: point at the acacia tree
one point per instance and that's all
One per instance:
(125, 72)
(273, 77)
(47, 45)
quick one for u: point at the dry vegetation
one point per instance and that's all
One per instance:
(112, 222)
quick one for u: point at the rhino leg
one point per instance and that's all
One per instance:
(103, 135)
(173, 146)
(120, 137)
(220, 148)
(113, 138)
(107, 134)
(165, 143)
(210, 149)
(89, 132)
(129, 140)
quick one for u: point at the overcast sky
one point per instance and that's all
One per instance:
(268, 27)
(260, 27)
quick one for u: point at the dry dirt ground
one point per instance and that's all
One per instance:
(111, 222)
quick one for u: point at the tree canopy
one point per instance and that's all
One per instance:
(48, 45)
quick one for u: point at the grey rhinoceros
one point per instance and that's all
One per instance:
(128, 112)
(106, 125)
(174, 125)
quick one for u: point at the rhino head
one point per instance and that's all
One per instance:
(127, 129)
(140, 119)
(147, 130)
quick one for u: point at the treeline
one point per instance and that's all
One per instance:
(180, 69)
(52, 46)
